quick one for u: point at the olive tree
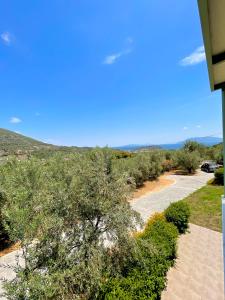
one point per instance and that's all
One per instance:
(141, 167)
(193, 146)
(188, 161)
(73, 220)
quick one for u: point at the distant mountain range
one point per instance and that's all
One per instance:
(15, 143)
(207, 141)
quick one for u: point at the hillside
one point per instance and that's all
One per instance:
(12, 142)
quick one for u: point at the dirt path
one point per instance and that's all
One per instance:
(154, 186)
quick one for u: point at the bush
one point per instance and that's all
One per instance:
(140, 284)
(215, 153)
(167, 165)
(143, 166)
(162, 235)
(219, 176)
(178, 213)
(144, 277)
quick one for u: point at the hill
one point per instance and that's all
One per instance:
(12, 143)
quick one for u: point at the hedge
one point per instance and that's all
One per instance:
(219, 176)
(178, 213)
(144, 277)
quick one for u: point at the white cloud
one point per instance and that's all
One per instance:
(185, 128)
(15, 120)
(6, 38)
(194, 58)
(198, 126)
(112, 58)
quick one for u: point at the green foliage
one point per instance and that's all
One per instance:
(141, 167)
(219, 176)
(192, 146)
(72, 208)
(70, 213)
(215, 153)
(14, 143)
(178, 213)
(22, 147)
(121, 154)
(188, 161)
(163, 236)
(144, 277)
(167, 165)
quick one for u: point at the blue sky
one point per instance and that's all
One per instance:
(84, 72)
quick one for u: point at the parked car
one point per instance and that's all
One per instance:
(209, 167)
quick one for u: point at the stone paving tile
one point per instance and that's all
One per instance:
(159, 201)
(198, 272)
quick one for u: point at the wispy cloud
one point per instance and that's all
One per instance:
(112, 58)
(194, 58)
(198, 126)
(6, 38)
(15, 120)
(185, 128)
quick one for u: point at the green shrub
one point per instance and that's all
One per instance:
(162, 235)
(219, 176)
(144, 276)
(178, 213)
(167, 165)
(140, 284)
(141, 167)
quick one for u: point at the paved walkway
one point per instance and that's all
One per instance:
(159, 201)
(198, 273)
